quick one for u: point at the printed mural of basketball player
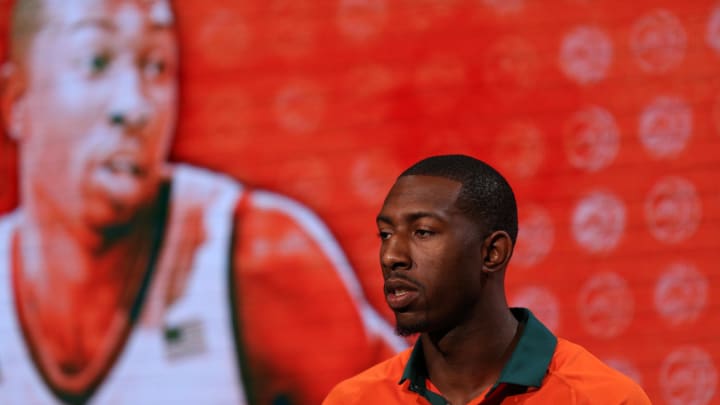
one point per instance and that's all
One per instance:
(127, 279)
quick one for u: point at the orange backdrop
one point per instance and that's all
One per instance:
(604, 115)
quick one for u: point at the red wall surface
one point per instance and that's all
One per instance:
(603, 114)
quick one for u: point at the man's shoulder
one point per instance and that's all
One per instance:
(368, 384)
(589, 377)
(572, 359)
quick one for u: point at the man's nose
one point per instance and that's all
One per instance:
(131, 108)
(394, 254)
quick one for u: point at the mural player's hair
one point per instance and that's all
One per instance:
(485, 195)
(26, 20)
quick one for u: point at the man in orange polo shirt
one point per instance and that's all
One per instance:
(448, 227)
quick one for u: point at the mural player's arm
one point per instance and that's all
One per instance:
(300, 306)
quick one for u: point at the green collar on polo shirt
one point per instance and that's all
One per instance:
(527, 366)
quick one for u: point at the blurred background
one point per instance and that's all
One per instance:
(604, 115)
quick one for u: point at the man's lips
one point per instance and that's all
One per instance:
(399, 293)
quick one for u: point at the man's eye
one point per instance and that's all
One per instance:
(423, 233)
(383, 235)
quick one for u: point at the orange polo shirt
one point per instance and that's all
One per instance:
(543, 369)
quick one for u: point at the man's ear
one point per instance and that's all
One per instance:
(497, 250)
(11, 101)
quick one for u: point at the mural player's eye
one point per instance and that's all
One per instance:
(99, 62)
(154, 67)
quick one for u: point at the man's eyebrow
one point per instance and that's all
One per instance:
(410, 217)
(414, 216)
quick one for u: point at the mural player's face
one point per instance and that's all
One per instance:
(99, 107)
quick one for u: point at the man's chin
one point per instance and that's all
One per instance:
(405, 332)
(407, 328)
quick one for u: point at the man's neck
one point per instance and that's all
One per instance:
(468, 360)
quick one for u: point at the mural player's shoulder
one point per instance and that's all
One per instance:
(9, 219)
(272, 204)
(279, 224)
(195, 185)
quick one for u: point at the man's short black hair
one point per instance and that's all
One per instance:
(485, 195)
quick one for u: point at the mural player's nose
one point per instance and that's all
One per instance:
(131, 109)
